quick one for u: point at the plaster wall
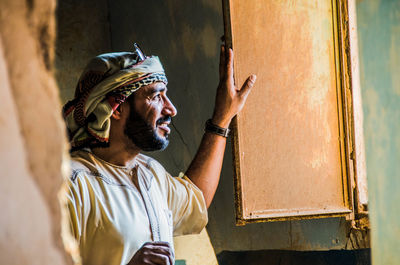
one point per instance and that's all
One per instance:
(32, 142)
(379, 44)
(82, 32)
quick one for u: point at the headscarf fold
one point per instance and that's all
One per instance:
(106, 82)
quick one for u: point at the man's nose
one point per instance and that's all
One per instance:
(169, 108)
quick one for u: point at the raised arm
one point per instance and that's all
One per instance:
(205, 168)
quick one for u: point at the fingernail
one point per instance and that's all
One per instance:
(253, 78)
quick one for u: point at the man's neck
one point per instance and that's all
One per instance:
(117, 154)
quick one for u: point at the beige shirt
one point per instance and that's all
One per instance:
(111, 218)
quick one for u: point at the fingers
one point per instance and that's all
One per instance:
(229, 65)
(165, 252)
(159, 247)
(222, 57)
(158, 243)
(248, 84)
(159, 252)
(160, 259)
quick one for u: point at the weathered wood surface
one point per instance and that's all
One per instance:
(289, 150)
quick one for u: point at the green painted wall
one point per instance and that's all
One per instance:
(379, 44)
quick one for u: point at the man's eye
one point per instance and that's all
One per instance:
(157, 97)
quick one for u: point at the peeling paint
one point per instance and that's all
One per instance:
(291, 51)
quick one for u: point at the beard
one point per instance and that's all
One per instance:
(144, 135)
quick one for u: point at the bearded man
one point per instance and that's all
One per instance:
(124, 207)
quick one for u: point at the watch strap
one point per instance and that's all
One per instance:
(215, 129)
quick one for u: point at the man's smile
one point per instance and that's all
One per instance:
(163, 123)
(164, 127)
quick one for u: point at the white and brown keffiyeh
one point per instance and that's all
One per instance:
(106, 82)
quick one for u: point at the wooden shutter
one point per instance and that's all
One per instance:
(292, 141)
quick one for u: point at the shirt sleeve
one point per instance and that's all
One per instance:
(186, 201)
(74, 204)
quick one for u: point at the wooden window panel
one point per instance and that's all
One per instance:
(292, 141)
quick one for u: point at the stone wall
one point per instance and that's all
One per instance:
(32, 142)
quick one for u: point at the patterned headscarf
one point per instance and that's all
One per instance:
(106, 82)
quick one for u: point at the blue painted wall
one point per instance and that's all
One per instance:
(379, 44)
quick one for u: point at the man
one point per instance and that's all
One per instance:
(124, 207)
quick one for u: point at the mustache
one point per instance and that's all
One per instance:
(163, 119)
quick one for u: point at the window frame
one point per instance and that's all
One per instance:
(350, 119)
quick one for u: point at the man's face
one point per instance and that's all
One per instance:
(149, 117)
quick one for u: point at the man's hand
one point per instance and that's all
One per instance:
(206, 166)
(229, 100)
(157, 253)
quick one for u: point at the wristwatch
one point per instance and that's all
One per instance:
(215, 129)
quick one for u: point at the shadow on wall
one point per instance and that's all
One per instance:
(275, 257)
